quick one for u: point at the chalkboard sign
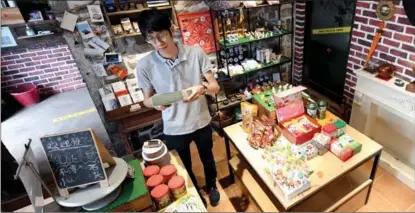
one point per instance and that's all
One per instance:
(74, 159)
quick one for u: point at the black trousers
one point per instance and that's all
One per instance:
(204, 143)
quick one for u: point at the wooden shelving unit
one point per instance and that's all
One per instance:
(126, 12)
(113, 17)
(127, 35)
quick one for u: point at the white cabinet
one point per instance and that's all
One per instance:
(386, 113)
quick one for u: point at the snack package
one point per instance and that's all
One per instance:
(321, 142)
(249, 112)
(118, 71)
(187, 203)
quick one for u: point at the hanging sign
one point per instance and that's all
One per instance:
(333, 30)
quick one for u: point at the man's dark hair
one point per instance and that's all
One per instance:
(153, 21)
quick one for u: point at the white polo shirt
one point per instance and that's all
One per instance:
(165, 75)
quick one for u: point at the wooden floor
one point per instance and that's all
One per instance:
(388, 193)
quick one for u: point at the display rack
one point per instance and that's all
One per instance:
(113, 18)
(221, 43)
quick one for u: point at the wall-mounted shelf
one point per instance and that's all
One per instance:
(127, 35)
(34, 36)
(126, 12)
(246, 40)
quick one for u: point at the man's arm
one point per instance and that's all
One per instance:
(147, 97)
(211, 84)
(148, 93)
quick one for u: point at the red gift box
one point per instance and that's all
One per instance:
(289, 105)
(347, 155)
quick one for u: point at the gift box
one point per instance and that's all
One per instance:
(340, 125)
(330, 130)
(310, 151)
(293, 122)
(321, 142)
(348, 141)
(338, 148)
(346, 155)
(356, 146)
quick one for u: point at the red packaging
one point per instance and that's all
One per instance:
(289, 105)
(118, 71)
(332, 142)
(347, 155)
(330, 130)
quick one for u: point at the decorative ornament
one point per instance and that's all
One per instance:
(386, 10)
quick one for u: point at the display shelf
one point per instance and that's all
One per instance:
(258, 99)
(126, 12)
(261, 5)
(231, 104)
(127, 35)
(283, 60)
(226, 44)
(223, 78)
(35, 36)
(268, 5)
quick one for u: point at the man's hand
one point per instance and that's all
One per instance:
(196, 92)
(161, 108)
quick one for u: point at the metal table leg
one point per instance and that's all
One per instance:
(228, 157)
(373, 174)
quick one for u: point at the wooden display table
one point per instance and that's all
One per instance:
(181, 170)
(328, 169)
(144, 201)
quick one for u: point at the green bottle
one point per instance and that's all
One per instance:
(312, 109)
(322, 108)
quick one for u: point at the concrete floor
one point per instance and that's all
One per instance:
(64, 112)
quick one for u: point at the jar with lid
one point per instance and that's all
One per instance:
(168, 172)
(322, 108)
(150, 171)
(312, 109)
(154, 181)
(161, 196)
(177, 187)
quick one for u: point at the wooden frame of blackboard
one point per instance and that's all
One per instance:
(64, 191)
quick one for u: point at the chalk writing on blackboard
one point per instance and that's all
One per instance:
(74, 158)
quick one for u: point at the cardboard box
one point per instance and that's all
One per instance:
(289, 107)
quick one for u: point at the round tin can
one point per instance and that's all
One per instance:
(177, 186)
(161, 196)
(312, 109)
(322, 107)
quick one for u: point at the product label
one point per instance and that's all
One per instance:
(179, 192)
(165, 201)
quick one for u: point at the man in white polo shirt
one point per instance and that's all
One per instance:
(172, 67)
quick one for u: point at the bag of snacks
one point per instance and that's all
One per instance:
(249, 112)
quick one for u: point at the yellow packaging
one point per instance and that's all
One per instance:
(249, 112)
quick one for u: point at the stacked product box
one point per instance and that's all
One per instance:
(289, 170)
(345, 147)
(321, 142)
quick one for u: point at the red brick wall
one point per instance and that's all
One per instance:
(397, 45)
(52, 69)
(299, 41)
